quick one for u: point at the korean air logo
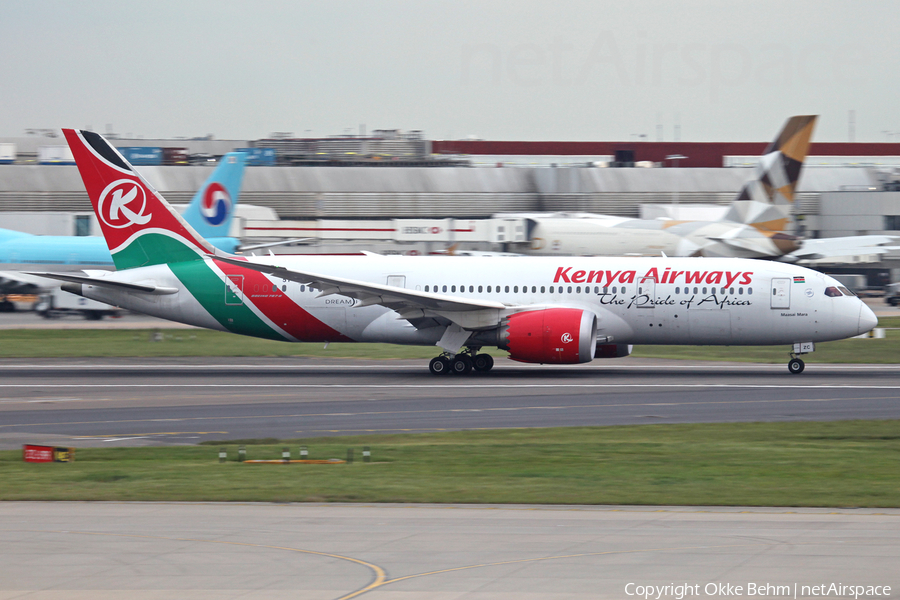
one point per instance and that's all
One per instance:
(216, 204)
(567, 338)
(122, 204)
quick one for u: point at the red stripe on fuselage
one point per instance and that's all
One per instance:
(280, 309)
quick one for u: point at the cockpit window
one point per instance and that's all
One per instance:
(846, 291)
(832, 292)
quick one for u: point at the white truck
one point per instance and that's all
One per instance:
(55, 303)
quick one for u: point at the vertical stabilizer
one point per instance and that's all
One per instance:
(211, 211)
(765, 201)
(139, 225)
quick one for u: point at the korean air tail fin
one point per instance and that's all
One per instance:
(765, 201)
(140, 227)
(213, 206)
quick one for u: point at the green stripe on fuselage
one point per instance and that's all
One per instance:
(207, 287)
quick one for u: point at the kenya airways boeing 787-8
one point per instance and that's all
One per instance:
(541, 310)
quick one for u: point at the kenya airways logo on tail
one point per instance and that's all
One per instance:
(122, 204)
(216, 204)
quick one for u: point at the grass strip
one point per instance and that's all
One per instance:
(84, 343)
(845, 463)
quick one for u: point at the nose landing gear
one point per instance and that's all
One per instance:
(796, 365)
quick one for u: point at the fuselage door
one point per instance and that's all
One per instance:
(234, 290)
(781, 292)
(397, 281)
(646, 293)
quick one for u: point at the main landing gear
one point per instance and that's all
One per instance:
(462, 363)
(796, 366)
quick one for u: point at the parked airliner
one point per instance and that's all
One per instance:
(755, 226)
(550, 310)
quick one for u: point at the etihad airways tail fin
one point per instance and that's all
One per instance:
(765, 201)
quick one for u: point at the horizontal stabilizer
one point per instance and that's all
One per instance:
(109, 283)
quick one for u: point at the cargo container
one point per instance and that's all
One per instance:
(55, 155)
(7, 154)
(175, 156)
(264, 157)
(142, 155)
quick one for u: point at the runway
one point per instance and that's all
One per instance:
(55, 551)
(177, 401)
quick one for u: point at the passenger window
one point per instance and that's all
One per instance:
(302, 288)
(543, 289)
(750, 291)
(730, 290)
(677, 291)
(284, 287)
(471, 289)
(452, 288)
(551, 289)
(489, 289)
(479, 289)
(516, 289)
(426, 288)
(445, 288)
(832, 292)
(506, 289)
(533, 289)
(741, 291)
(695, 290)
(704, 290)
(578, 290)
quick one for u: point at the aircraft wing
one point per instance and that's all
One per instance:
(419, 308)
(854, 245)
(16, 282)
(146, 288)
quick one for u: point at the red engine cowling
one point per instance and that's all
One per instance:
(552, 336)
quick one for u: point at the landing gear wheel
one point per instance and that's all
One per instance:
(439, 365)
(796, 366)
(461, 365)
(483, 362)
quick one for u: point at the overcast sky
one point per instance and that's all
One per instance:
(514, 70)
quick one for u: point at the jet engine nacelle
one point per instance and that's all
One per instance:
(552, 335)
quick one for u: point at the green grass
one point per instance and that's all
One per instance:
(39, 343)
(849, 463)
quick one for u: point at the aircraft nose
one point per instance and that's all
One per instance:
(867, 319)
